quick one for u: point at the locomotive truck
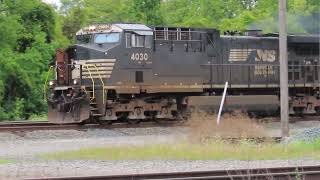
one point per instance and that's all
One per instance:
(132, 72)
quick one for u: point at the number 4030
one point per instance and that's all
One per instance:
(139, 57)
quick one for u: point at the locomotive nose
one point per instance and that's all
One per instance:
(97, 51)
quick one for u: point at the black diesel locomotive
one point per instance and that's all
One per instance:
(132, 72)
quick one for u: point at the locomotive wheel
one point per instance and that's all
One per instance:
(159, 121)
(164, 122)
(252, 115)
(134, 121)
(106, 122)
(317, 109)
(183, 115)
(82, 123)
(298, 111)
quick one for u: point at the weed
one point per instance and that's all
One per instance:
(216, 150)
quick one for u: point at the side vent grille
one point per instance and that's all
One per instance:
(160, 33)
(185, 34)
(174, 34)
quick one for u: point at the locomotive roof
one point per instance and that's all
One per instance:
(139, 27)
(247, 37)
(291, 38)
(304, 38)
(106, 28)
(145, 30)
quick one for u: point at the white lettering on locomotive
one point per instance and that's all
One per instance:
(265, 55)
(264, 70)
(139, 57)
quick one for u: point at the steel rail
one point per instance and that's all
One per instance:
(34, 126)
(304, 118)
(279, 173)
(27, 127)
(45, 125)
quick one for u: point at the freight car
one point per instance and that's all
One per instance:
(133, 72)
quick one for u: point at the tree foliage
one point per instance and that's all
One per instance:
(28, 39)
(303, 15)
(147, 11)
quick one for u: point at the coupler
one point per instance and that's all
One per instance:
(67, 105)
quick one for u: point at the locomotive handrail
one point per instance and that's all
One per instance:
(177, 34)
(45, 84)
(86, 66)
(103, 100)
(93, 85)
(262, 64)
(178, 40)
(157, 30)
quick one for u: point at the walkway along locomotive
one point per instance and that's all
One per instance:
(132, 72)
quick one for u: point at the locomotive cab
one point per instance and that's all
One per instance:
(99, 60)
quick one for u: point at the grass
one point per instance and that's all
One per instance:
(200, 147)
(4, 161)
(38, 117)
(32, 118)
(217, 150)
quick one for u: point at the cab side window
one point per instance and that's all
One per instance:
(135, 40)
(148, 41)
(128, 40)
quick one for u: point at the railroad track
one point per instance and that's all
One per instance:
(18, 127)
(33, 126)
(304, 118)
(292, 119)
(45, 125)
(274, 173)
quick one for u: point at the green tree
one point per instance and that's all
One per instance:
(73, 21)
(78, 13)
(108, 11)
(28, 38)
(147, 11)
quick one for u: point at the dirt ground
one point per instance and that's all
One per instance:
(236, 124)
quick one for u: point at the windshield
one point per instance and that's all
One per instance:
(83, 39)
(107, 38)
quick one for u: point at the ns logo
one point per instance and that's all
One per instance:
(265, 55)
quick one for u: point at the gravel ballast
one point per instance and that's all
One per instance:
(308, 135)
(23, 151)
(96, 168)
(31, 144)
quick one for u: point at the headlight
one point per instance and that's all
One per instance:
(75, 82)
(51, 83)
